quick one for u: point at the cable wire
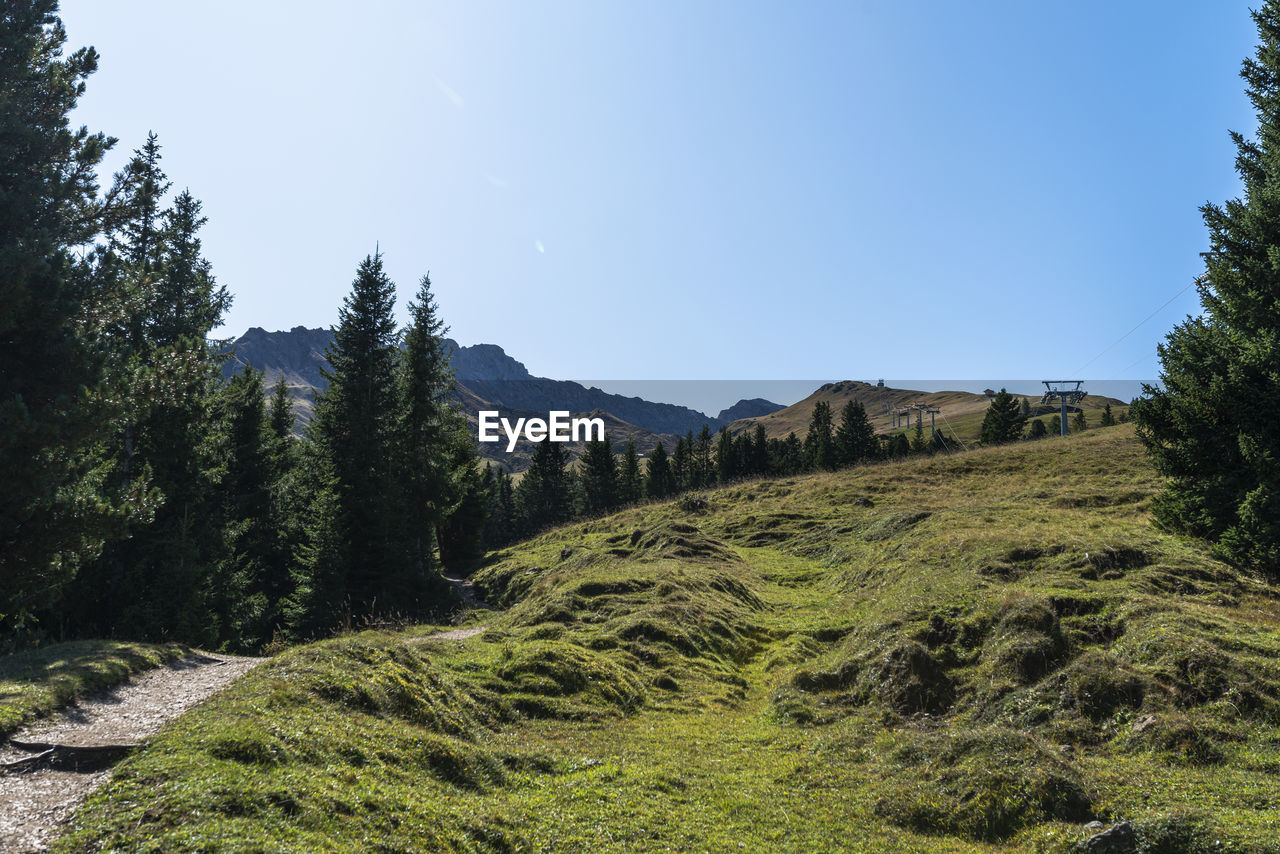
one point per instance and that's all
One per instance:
(1167, 303)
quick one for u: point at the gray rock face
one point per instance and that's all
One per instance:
(1116, 839)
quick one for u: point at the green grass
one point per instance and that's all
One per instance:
(39, 681)
(969, 653)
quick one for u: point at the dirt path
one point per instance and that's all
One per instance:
(466, 590)
(61, 760)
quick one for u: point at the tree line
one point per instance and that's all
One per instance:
(148, 497)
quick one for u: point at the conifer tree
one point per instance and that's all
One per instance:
(791, 456)
(1003, 420)
(703, 467)
(819, 448)
(599, 477)
(240, 597)
(759, 451)
(58, 504)
(1037, 430)
(659, 479)
(433, 479)
(682, 463)
(1079, 423)
(355, 548)
(461, 533)
(855, 438)
(918, 444)
(726, 462)
(630, 482)
(1107, 418)
(544, 496)
(161, 303)
(1220, 457)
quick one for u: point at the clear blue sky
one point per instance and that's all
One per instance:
(702, 190)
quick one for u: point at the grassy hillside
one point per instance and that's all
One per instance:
(960, 410)
(972, 653)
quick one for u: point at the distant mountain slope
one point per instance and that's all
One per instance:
(963, 410)
(753, 408)
(487, 374)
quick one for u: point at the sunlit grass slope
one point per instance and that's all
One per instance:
(39, 681)
(980, 652)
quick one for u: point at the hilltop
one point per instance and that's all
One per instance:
(961, 411)
(976, 652)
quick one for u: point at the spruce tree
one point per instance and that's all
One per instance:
(160, 302)
(759, 455)
(58, 503)
(1210, 425)
(599, 477)
(544, 496)
(682, 463)
(1003, 420)
(432, 480)
(726, 462)
(243, 606)
(703, 466)
(659, 479)
(1107, 418)
(1037, 430)
(1079, 423)
(356, 547)
(819, 448)
(855, 437)
(630, 482)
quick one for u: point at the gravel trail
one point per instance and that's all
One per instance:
(54, 764)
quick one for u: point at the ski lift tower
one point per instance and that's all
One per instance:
(1066, 392)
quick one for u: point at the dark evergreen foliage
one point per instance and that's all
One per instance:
(660, 481)
(1003, 421)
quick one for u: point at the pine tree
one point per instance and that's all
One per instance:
(682, 463)
(239, 597)
(918, 444)
(1025, 409)
(1079, 423)
(161, 302)
(432, 479)
(599, 477)
(659, 479)
(58, 504)
(354, 431)
(1037, 429)
(726, 462)
(791, 455)
(899, 446)
(1220, 457)
(500, 522)
(461, 532)
(703, 468)
(1107, 418)
(855, 436)
(1003, 420)
(544, 496)
(819, 449)
(759, 455)
(630, 483)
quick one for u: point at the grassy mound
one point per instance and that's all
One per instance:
(981, 652)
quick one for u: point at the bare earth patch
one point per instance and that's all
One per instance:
(55, 764)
